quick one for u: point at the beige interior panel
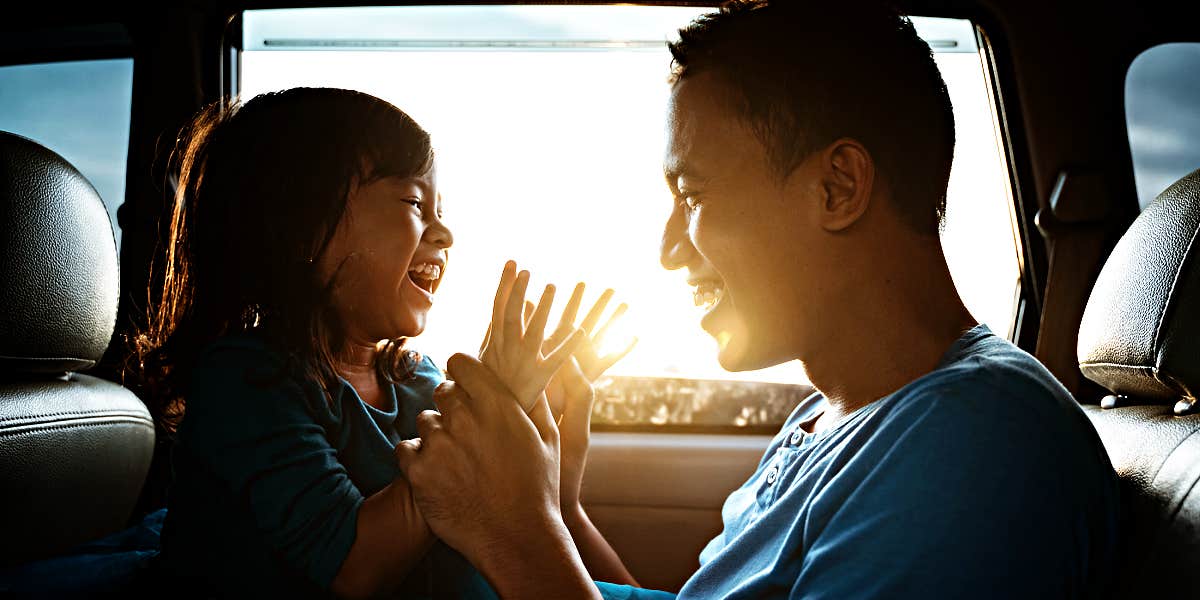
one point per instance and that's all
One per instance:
(657, 497)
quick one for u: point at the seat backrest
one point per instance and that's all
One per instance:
(1140, 339)
(74, 449)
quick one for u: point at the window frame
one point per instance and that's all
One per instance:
(1010, 123)
(66, 43)
(102, 40)
(999, 75)
(1125, 96)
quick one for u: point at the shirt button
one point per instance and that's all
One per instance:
(772, 475)
(796, 437)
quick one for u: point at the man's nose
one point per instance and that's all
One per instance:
(677, 249)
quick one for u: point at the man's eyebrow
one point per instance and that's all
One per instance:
(673, 171)
(692, 175)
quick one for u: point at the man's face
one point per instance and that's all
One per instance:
(747, 239)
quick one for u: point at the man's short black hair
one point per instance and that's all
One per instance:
(803, 74)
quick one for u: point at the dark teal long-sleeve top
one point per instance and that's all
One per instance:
(269, 474)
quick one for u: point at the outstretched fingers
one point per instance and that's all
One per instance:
(494, 336)
(597, 310)
(511, 321)
(598, 338)
(559, 355)
(566, 322)
(536, 325)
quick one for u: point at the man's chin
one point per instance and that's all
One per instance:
(739, 346)
(738, 352)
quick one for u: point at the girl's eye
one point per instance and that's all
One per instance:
(414, 202)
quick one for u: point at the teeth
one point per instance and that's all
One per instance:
(707, 295)
(427, 271)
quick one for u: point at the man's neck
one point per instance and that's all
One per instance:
(903, 323)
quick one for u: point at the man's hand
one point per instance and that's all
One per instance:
(570, 392)
(486, 477)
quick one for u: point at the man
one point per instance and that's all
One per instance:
(809, 151)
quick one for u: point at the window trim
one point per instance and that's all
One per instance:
(1033, 258)
(99, 41)
(998, 74)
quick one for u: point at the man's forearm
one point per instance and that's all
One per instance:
(546, 566)
(598, 556)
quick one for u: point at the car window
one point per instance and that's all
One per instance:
(548, 123)
(79, 109)
(1162, 113)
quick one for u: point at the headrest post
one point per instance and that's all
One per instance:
(1186, 406)
(1114, 401)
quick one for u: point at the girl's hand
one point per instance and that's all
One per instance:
(591, 363)
(513, 346)
(570, 391)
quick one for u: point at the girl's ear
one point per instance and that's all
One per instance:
(847, 176)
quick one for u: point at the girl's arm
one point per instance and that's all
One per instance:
(571, 395)
(598, 556)
(390, 537)
(265, 446)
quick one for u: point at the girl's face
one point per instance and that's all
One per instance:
(387, 256)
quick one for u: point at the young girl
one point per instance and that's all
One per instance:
(306, 244)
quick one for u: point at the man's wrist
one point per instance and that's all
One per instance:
(541, 563)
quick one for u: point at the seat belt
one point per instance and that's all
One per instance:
(1075, 230)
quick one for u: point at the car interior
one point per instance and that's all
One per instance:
(1105, 291)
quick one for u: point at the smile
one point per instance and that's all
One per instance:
(707, 293)
(426, 276)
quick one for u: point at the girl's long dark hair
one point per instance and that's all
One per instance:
(261, 188)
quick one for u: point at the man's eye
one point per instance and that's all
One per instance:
(414, 202)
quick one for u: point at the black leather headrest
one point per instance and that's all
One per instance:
(1140, 334)
(58, 263)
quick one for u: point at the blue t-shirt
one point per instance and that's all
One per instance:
(269, 474)
(981, 479)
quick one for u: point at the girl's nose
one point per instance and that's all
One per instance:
(439, 235)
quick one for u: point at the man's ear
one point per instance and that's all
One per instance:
(847, 174)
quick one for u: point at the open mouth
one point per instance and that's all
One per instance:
(707, 293)
(427, 276)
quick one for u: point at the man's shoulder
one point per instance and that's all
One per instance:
(994, 405)
(984, 455)
(990, 418)
(988, 379)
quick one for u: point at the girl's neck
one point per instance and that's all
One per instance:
(356, 364)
